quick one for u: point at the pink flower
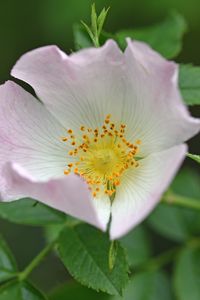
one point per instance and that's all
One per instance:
(106, 138)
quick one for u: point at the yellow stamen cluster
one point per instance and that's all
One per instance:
(101, 155)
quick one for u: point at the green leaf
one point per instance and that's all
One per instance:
(74, 291)
(19, 291)
(137, 246)
(84, 251)
(30, 212)
(8, 267)
(194, 157)
(94, 20)
(148, 286)
(101, 20)
(179, 223)
(88, 30)
(165, 37)
(189, 82)
(187, 275)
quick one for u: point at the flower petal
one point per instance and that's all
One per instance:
(69, 194)
(29, 134)
(156, 113)
(141, 190)
(74, 87)
(138, 88)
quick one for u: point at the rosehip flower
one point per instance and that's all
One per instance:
(105, 139)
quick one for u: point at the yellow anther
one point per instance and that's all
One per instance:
(117, 182)
(76, 170)
(138, 142)
(102, 162)
(64, 139)
(66, 172)
(109, 192)
(112, 126)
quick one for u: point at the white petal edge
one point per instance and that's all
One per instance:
(139, 193)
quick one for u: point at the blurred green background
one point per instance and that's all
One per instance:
(29, 24)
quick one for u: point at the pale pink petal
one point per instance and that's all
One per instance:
(80, 89)
(139, 88)
(29, 134)
(142, 188)
(69, 194)
(156, 113)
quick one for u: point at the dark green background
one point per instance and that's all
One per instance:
(29, 24)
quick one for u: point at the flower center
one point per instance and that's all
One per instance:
(101, 156)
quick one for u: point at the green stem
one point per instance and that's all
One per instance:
(96, 42)
(161, 260)
(36, 261)
(171, 198)
(157, 262)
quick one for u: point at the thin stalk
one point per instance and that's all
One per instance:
(36, 261)
(171, 198)
(161, 260)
